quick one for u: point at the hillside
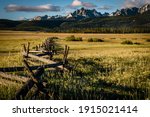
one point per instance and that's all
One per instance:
(139, 23)
(9, 24)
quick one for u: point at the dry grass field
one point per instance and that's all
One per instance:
(105, 70)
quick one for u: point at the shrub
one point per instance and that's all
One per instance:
(90, 40)
(73, 38)
(128, 42)
(95, 40)
(54, 37)
(148, 40)
(137, 43)
(78, 39)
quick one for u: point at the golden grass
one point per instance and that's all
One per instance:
(11, 43)
(129, 63)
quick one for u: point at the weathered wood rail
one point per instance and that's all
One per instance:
(14, 77)
(47, 49)
(13, 69)
(45, 60)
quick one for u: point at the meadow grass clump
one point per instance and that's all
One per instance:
(73, 38)
(128, 42)
(95, 40)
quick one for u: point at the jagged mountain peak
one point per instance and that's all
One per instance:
(132, 11)
(144, 8)
(45, 17)
(93, 13)
(84, 13)
(126, 12)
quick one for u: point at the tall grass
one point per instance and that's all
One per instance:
(95, 78)
(108, 70)
(98, 78)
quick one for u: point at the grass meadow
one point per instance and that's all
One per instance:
(112, 69)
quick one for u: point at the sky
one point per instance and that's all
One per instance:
(20, 9)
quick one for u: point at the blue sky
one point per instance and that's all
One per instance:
(18, 9)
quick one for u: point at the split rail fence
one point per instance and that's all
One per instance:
(43, 53)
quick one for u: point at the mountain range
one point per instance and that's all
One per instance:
(86, 13)
(127, 20)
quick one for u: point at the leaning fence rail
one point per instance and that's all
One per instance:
(47, 49)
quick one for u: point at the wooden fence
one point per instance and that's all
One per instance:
(43, 53)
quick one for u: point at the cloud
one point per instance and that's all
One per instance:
(134, 3)
(79, 3)
(40, 8)
(88, 5)
(105, 7)
(76, 3)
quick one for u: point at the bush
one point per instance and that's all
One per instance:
(54, 37)
(128, 42)
(90, 40)
(137, 43)
(78, 39)
(95, 40)
(73, 38)
(148, 40)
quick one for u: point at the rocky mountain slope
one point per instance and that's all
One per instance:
(87, 13)
(132, 11)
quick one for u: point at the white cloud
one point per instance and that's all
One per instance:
(40, 8)
(79, 3)
(76, 3)
(134, 3)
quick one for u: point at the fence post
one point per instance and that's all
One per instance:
(66, 51)
(25, 89)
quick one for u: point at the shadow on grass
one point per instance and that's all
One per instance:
(83, 83)
(80, 85)
(101, 93)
